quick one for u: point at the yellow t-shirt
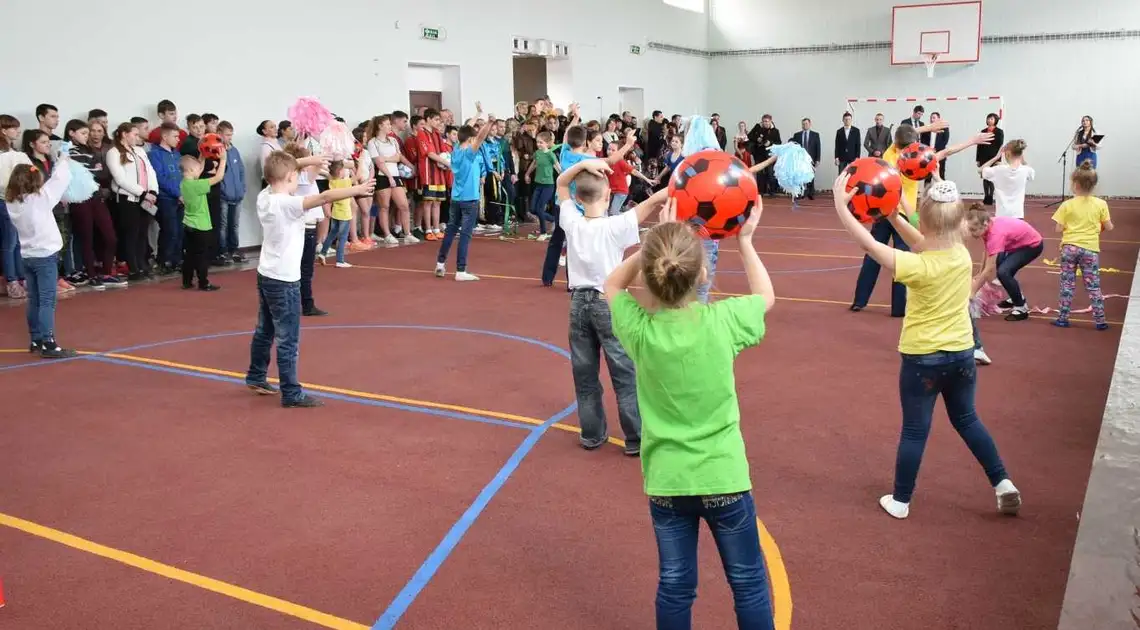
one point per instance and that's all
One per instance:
(937, 302)
(341, 210)
(1082, 218)
(909, 186)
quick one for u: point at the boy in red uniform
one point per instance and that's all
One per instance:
(432, 170)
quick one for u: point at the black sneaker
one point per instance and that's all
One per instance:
(209, 287)
(35, 348)
(1017, 315)
(77, 279)
(187, 287)
(262, 389)
(114, 282)
(632, 449)
(134, 276)
(314, 312)
(304, 402)
(1005, 305)
(51, 350)
(237, 257)
(96, 283)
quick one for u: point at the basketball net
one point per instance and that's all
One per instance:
(930, 60)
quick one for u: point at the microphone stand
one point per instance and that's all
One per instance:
(1064, 160)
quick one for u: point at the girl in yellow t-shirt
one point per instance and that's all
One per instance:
(341, 216)
(1080, 221)
(937, 342)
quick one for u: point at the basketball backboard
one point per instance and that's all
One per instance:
(950, 30)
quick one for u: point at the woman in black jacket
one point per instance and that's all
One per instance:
(986, 152)
(91, 217)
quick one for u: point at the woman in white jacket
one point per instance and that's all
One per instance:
(135, 186)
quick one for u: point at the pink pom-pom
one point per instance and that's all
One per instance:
(309, 117)
(986, 301)
(337, 141)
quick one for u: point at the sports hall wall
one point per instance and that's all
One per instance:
(248, 60)
(1047, 85)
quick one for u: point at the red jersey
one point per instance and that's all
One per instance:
(428, 171)
(619, 182)
(155, 136)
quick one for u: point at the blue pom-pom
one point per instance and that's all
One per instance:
(82, 185)
(699, 136)
(793, 169)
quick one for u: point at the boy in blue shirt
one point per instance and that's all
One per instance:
(165, 158)
(574, 150)
(466, 161)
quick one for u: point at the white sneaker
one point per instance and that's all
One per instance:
(391, 240)
(542, 238)
(463, 276)
(410, 240)
(440, 270)
(894, 508)
(321, 258)
(561, 261)
(1008, 497)
(981, 357)
(479, 229)
(344, 265)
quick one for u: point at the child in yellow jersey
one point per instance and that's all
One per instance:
(1080, 221)
(883, 230)
(341, 216)
(937, 343)
(692, 452)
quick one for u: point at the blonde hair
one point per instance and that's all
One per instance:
(1084, 179)
(672, 259)
(1016, 148)
(279, 164)
(942, 219)
(188, 162)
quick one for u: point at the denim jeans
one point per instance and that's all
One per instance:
(170, 231)
(882, 231)
(1009, 263)
(10, 247)
(308, 266)
(540, 201)
(461, 220)
(737, 538)
(228, 229)
(617, 201)
(42, 275)
(338, 235)
(712, 255)
(977, 335)
(921, 379)
(278, 319)
(591, 335)
(553, 253)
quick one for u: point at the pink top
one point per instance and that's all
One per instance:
(1007, 234)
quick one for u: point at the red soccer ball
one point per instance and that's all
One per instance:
(878, 186)
(917, 161)
(715, 192)
(210, 147)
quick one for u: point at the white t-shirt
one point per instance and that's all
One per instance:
(305, 188)
(1009, 188)
(283, 220)
(384, 149)
(595, 247)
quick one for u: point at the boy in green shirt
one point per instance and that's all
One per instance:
(197, 242)
(542, 170)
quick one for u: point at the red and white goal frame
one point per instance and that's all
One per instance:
(853, 101)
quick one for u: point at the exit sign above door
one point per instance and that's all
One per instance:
(634, 49)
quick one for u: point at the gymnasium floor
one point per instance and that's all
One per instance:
(442, 485)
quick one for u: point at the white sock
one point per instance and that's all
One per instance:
(894, 508)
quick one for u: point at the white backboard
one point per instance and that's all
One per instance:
(953, 30)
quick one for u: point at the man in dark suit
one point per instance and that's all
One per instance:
(760, 139)
(915, 119)
(941, 141)
(877, 138)
(809, 140)
(721, 135)
(846, 143)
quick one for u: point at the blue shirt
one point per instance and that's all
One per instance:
(465, 164)
(570, 158)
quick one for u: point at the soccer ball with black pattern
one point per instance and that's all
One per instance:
(879, 189)
(917, 161)
(714, 192)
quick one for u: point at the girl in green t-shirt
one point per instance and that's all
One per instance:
(692, 451)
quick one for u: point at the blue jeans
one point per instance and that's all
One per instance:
(540, 201)
(43, 273)
(553, 253)
(338, 233)
(460, 220)
(712, 255)
(591, 335)
(1009, 263)
(10, 247)
(921, 379)
(977, 335)
(882, 231)
(170, 231)
(278, 319)
(228, 228)
(617, 201)
(737, 538)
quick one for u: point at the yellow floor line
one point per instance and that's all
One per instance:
(180, 575)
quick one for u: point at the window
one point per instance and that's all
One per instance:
(696, 6)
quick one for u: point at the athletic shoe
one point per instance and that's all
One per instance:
(114, 282)
(894, 508)
(314, 312)
(96, 284)
(304, 402)
(1008, 497)
(1018, 314)
(981, 357)
(344, 265)
(16, 291)
(237, 257)
(262, 389)
(410, 240)
(391, 240)
(210, 287)
(562, 261)
(51, 350)
(463, 276)
(440, 270)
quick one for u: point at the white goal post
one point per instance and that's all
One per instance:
(917, 100)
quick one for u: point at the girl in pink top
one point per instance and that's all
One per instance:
(1010, 245)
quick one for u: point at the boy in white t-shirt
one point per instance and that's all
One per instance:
(595, 246)
(1009, 179)
(284, 217)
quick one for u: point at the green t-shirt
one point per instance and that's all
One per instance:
(544, 167)
(194, 192)
(686, 390)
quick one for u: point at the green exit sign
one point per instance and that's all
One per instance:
(430, 33)
(634, 49)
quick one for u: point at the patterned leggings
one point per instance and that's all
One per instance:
(1073, 257)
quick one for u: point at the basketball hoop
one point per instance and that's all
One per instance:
(930, 60)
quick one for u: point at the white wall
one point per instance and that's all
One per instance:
(1047, 86)
(227, 68)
